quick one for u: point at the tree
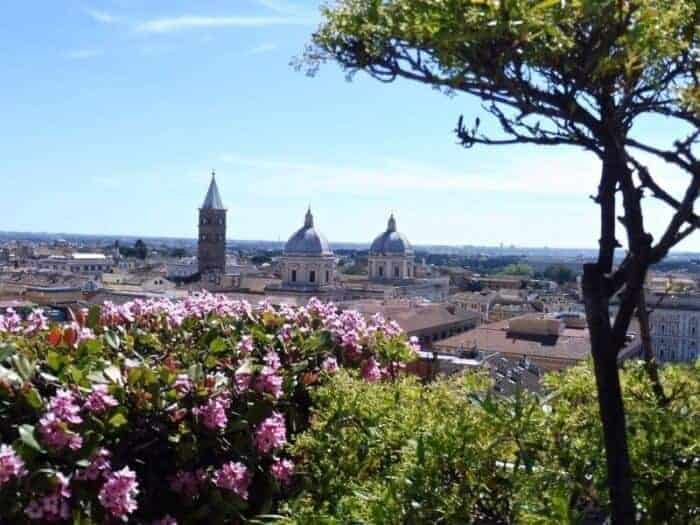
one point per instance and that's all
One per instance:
(559, 274)
(554, 72)
(518, 269)
(140, 249)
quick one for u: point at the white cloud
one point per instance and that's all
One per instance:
(83, 54)
(263, 48)
(280, 6)
(398, 175)
(103, 17)
(182, 23)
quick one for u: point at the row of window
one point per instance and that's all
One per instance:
(205, 220)
(312, 276)
(212, 237)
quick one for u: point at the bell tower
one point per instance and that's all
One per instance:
(211, 246)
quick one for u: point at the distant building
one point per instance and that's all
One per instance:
(426, 321)
(211, 245)
(391, 256)
(549, 341)
(674, 326)
(308, 263)
(78, 263)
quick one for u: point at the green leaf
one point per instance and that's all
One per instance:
(112, 340)
(6, 350)
(218, 345)
(24, 367)
(93, 318)
(118, 420)
(27, 436)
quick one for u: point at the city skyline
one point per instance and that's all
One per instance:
(119, 110)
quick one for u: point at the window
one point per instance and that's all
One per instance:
(203, 236)
(396, 271)
(312, 276)
(381, 271)
(294, 276)
(221, 221)
(328, 276)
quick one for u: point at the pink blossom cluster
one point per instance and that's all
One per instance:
(36, 322)
(233, 476)
(53, 506)
(10, 322)
(100, 400)
(213, 413)
(119, 492)
(54, 426)
(269, 380)
(11, 465)
(282, 470)
(98, 467)
(271, 434)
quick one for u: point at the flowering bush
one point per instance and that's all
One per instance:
(169, 412)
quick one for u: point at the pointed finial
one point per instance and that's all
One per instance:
(213, 173)
(309, 219)
(392, 223)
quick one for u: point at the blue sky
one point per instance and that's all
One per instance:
(115, 112)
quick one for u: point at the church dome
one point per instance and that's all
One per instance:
(307, 240)
(391, 242)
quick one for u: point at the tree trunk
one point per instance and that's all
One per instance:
(650, 363)
(610, 404)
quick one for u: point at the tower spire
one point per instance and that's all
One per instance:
(309, 219)
(391, 227)
(212, 201)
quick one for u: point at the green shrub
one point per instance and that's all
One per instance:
(452, 453)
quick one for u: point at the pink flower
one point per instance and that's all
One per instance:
(245, 345)
(36, 321)
(11, 322)
(213, 413)
(330, 365)
(272, 360)
(370, 371)
(64, 407)
(11, 465)
(118, 494)
(269, 381)
(242, 380)
(56, 433)
(233, 476)
(54, 505)
(99, 466)
(183, 384)
(271, 433)
(99, 400)
(282, 470)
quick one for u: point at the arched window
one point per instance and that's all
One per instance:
(396, 270)
(203, 237)
(221, 220)
(312, 276)
(328, 276)
(380, 271)
(294, 276)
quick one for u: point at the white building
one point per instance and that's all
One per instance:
(308, 262)
(674, 326)
(391, 256)
(81, 263)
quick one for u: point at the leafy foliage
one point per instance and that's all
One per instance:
(451, 452)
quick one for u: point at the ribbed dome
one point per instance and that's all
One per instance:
(391, 242)
(307, 241)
